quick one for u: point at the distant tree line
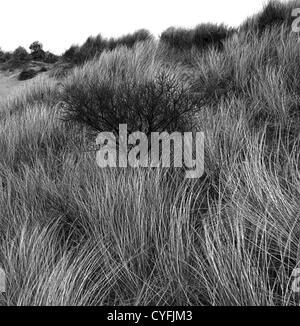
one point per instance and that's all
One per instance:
(201, 37)
(20, 55)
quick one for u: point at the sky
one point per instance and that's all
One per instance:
(58, 24)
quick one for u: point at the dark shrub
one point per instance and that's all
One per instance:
(37, 52)
(161, 104)
(27, 74)
(20, 55)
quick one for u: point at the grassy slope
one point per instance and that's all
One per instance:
(72, 234)
(9, 78)
(7, 83)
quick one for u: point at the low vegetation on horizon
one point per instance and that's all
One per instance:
(72, 233)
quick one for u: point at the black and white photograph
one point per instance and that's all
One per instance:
(149, 156)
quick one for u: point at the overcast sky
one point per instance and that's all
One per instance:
(60, 23)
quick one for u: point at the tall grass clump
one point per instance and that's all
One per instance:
(261, 70)
(94, 46)
(130, 40)
(201, 37)
(274, 14)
